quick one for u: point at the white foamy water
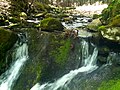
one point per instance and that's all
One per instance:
(8, 78)
(89, 65)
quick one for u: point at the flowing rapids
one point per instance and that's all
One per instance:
(89, 65)
(8, 78)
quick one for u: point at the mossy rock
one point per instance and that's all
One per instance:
(93, 26)
(51, 24)
(7, 40)
(112, 34)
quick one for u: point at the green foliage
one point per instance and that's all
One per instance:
(110, 85)
(110, 12)
(51, 24)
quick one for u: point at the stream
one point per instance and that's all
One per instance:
(88, 56)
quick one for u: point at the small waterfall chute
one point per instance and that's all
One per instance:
(21, 55)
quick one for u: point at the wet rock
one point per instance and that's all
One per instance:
(7, 40)
(102, 60)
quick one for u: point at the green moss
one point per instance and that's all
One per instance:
(102, 28)
(110, 85)
(61, 51)
(51, 24)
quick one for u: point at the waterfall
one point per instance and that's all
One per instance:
(89, 65)
(10, 76)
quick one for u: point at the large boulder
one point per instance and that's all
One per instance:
(51, 55)
(7, 40)
(51, 24)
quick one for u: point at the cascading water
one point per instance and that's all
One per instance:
(89, 65)
(21, 55)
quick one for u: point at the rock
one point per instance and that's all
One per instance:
(50, 57)
(93, 26)
(102, 60)
(51, 24)
(7, 40)
(112, 34)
